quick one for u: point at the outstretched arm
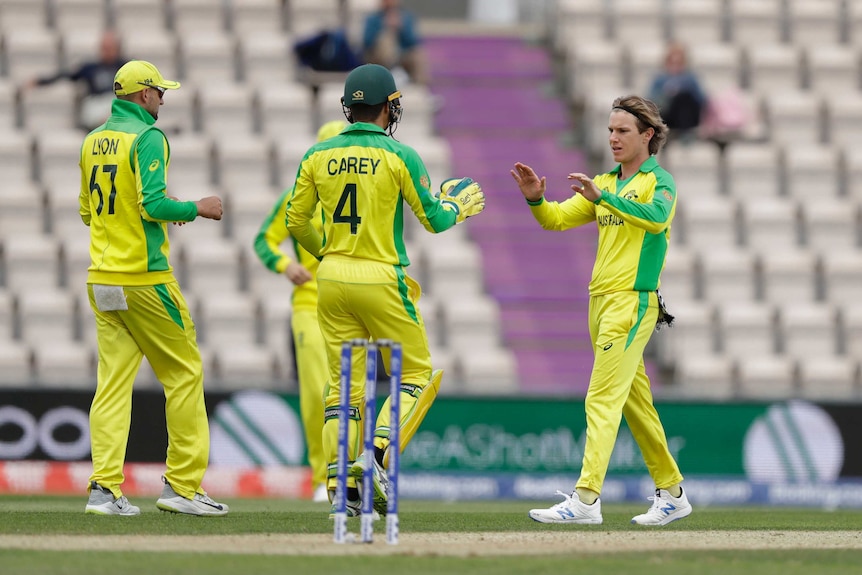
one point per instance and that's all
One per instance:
(555, 216)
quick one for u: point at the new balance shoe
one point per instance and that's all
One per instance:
(665, 509)
(103, 502)
(571, 510)
(380, 479)
(201, 504)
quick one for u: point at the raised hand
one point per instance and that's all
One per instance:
(531, 186)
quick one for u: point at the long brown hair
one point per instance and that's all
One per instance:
(648, 116)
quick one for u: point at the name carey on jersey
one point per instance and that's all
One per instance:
(352, 165)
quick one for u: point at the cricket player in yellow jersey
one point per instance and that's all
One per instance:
(137, 303)
(362, 179)
(311, 366)
(633, 206)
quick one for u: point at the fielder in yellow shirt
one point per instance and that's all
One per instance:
(362, 179)
(312, 369)
(633, 206)
(137, 303)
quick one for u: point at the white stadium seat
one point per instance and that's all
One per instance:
(709, 377)
(729, 276)
(755, 23)
(747, 328)
(828, 378)
(814, 22)
(808, 329)
(764, 378)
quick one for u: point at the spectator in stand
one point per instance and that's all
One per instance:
(391, 39)
(97, 79)
(679, 95)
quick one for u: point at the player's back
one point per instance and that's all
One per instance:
(362, 178)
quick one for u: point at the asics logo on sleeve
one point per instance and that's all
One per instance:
(608, 346)
(154, 165)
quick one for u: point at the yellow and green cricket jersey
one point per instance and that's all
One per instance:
(123, 199)
(272, 233)
(362, 178)
(633, 216)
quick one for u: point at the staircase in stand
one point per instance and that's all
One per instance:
(499, 108)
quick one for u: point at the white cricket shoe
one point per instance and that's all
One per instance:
(201, 504)
(571, 510)
(379, 478)
(320, 494)
(354, 509)
(665, 509)
(103, 502)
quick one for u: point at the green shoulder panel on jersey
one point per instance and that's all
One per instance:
(654, 248)
(664, 181)
(650, 261)
(398, 232)
(436, 219)
(653, 216)
(153, 157)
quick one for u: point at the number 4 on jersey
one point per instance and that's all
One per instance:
(351, 217)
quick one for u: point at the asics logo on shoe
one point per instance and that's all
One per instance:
(668, 508)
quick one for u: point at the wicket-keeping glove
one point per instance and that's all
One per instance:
(462, 196)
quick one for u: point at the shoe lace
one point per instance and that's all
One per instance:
(203, 498)
(657, 502)
(566, 503)
(380, 472)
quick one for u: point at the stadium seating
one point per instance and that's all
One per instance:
(765, 253)
(238, 128)
(765, 258)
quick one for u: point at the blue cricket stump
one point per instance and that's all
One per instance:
(369, 422)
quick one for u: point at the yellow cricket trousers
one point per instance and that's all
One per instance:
(620, 327)
(313, 373)
(363, 299)
(156, 325)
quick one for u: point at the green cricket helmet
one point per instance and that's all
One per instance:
(372, 84)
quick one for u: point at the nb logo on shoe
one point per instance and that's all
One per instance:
(668, 508)
(566, 513)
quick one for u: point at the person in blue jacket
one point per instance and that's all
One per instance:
(391, 39)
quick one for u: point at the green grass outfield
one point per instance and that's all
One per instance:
(46, 535)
